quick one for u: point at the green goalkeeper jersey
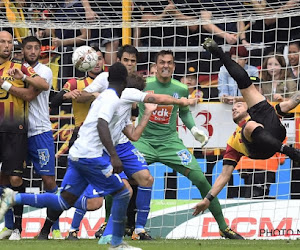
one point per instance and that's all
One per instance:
(163, 121)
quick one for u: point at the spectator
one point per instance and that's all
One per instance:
(228, 32)
(227, 86)
(177, 9)
(153, 69)
(13, 12)
(108, 37)
(66, 39)
(279, 28)
(17, 53)
(191, 80)
(294, 61)
(277, 82)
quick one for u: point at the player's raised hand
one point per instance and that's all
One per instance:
(201, 207)
(117, 164)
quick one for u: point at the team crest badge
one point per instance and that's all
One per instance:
(185, 157)
(43, 156)
(176, 95)
(139, 155)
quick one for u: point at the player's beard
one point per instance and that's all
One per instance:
(30, 62)
(240, 117)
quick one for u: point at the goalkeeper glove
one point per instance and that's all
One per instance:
(199, 136)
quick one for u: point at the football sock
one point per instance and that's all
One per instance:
(52, 216)
(198, 179)
(235, 70)
(81, 203)
(108, 204)
(118, 212)
(18, 209)
(56, 223)
(143, 199)
(77, 218)
(53, 201)
(109, 227)
(9, 219)
(131, 210)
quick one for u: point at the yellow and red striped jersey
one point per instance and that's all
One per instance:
(80, 110)
(13, 110)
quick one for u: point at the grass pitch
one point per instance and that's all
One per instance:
(158, 244)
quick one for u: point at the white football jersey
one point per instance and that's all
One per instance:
(99, 84)
(38, 114)
(115, 111)
(129, 96)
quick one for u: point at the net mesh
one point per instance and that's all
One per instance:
(266, 26)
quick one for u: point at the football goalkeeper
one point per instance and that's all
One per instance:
(160, 142)
(259, 133)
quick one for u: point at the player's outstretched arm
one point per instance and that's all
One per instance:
(58, 99)
(26, 94)
(291, 103)
(134, 133)
(166, 99)
(85, 96)
(220, 183)
(36, 81)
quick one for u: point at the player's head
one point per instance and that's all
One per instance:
(239, 111)
(165, 65)
(128, 55)
(100, 63)
(136, 81)
(6, 45)
(294, 52)
(117, 76)
(31, 47)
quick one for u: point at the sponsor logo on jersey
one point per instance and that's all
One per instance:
(185, 157)
(162, 114)
(43, 156)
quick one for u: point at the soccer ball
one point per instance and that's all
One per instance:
(84, 58)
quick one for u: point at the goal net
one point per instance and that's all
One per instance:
(181, 26)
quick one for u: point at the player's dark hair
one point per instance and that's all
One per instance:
(96, 48)
(163, 53)
(136, 81)
(29, 39)
(129, 49)
(283, 72)
(117, 73)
